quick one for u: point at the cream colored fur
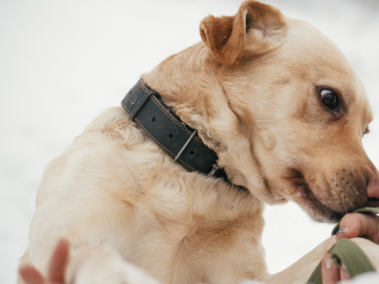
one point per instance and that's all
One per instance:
(120, 200)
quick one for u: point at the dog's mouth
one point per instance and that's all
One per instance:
(304, 196)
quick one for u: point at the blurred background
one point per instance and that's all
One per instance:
(63, 62)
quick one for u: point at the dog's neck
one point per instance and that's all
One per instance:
(189, 84)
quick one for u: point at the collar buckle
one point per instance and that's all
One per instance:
(185, 145)
(215, 167)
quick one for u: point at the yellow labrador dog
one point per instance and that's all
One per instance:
(282, 111)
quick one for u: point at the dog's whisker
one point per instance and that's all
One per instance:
(356, 192)
(343, 202)
(347, 197)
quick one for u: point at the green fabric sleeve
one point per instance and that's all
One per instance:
(347, 252)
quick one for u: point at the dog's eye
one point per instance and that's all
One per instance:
(330, 99)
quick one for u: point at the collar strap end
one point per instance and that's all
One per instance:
(136, 98)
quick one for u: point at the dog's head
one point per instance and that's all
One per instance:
(300, 106)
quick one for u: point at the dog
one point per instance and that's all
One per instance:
(277, 108)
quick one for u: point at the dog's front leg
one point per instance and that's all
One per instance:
(90, 264)
(98, 264)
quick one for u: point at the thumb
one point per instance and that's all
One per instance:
(355, 225)
(58, 262)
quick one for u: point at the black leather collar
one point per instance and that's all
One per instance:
(177, 139)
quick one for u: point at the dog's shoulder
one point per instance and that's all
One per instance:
(115, 124)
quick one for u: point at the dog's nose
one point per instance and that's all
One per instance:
(373, 190)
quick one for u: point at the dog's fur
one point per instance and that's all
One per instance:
(251, 90)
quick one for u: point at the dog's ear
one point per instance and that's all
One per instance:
(255, 29)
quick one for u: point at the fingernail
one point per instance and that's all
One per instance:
(328, 262)
(343, 266)
(343, 230)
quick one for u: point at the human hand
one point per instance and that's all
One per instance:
(56, 270)
(351, 226)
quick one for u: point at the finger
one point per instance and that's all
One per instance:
(359, 225)
(58, 262)
(343, 273)
(31, 275)
(329, 271)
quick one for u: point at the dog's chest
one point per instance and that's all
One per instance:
(200, 250)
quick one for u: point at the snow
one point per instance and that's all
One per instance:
(367, 278)
(63, 62)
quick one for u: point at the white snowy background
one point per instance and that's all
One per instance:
(64, 62)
